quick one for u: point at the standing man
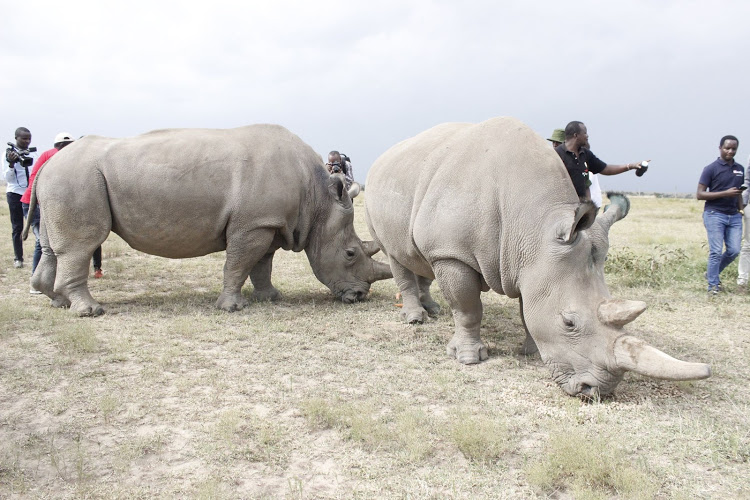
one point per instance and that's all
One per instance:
(719, 187)
(16, 172)
(61, 140)
(580, 161)
(744, 268)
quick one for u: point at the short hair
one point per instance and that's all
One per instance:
(21, 130)
(334, 153)
(728, 138)
(572, 129)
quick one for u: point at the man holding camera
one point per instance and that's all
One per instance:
(580, 161)
(338, 165)
(18, 161)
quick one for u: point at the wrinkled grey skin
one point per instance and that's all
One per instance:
(491, 206)
(190, 192)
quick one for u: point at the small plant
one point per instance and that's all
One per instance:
(659, 267)
(77, 337)
(480, 439)
(589, 467)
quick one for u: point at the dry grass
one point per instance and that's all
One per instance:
(166, 397)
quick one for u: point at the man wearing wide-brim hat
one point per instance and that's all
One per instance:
(557, 137)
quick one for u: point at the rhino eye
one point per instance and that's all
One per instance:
(570, 320)
(350, 253)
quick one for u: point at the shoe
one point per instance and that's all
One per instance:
(98, 273)
(713, 291)
(34, 291)
(18, 264)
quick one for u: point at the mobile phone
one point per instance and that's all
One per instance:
(742, 187)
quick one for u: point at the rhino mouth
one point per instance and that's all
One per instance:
(352, 296)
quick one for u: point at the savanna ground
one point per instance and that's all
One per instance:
(165, 396)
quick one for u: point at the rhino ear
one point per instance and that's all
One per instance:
(354, 190)
(583, 218)
(337, 188)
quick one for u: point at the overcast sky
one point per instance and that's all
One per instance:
(651, 79)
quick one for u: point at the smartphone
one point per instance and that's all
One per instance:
(742, 187)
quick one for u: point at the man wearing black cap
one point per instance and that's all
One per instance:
(580, 161)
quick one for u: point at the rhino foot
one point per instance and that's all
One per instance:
(89, 310)
(414, 316)
(231, 303)
(60, 301)
(432, 308)
(467, 351)
(271, 295)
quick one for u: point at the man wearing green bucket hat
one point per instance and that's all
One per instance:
(557, 137)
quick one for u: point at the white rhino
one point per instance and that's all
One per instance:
(190, 192)
(490, 206)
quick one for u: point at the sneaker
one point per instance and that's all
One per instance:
(98, 273)
(34, 291)
(18, 264)
(713, 291)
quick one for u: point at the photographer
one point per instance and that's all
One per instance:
(340, 164)
(17, 162)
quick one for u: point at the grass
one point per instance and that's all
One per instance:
(167, 397)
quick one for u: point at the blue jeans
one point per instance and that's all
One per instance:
(35, 228)
(721, 229)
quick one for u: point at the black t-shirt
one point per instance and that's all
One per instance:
(579, 166)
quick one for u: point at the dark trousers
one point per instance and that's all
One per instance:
(98, 258)
(16, 222)
(35, 228)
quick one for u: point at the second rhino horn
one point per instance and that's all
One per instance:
(620, 312)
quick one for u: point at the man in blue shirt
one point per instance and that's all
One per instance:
(719, 186)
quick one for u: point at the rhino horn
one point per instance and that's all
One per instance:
(380, 271)
(635, 355)
(370, 248)
(618, 208)
(620, 312)
(354, 190)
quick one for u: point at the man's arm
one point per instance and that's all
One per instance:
(619, 169)
(702, 194)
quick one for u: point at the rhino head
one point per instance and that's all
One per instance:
(575, 323)
(339, 259)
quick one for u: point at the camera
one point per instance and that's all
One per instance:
(23, 155)
(335, 168)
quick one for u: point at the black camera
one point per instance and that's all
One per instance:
(23, 155)
(336, 168)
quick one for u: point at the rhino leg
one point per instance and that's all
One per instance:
(462, 286)
(412, 311)
(529, 346)
(261, 279)
(432, 307)
(43, 278)
(244, 250)
(71, 281)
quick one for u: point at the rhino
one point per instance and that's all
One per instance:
(490, 206)
(182, 193)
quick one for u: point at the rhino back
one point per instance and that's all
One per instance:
(175, 192)
(480, 195)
